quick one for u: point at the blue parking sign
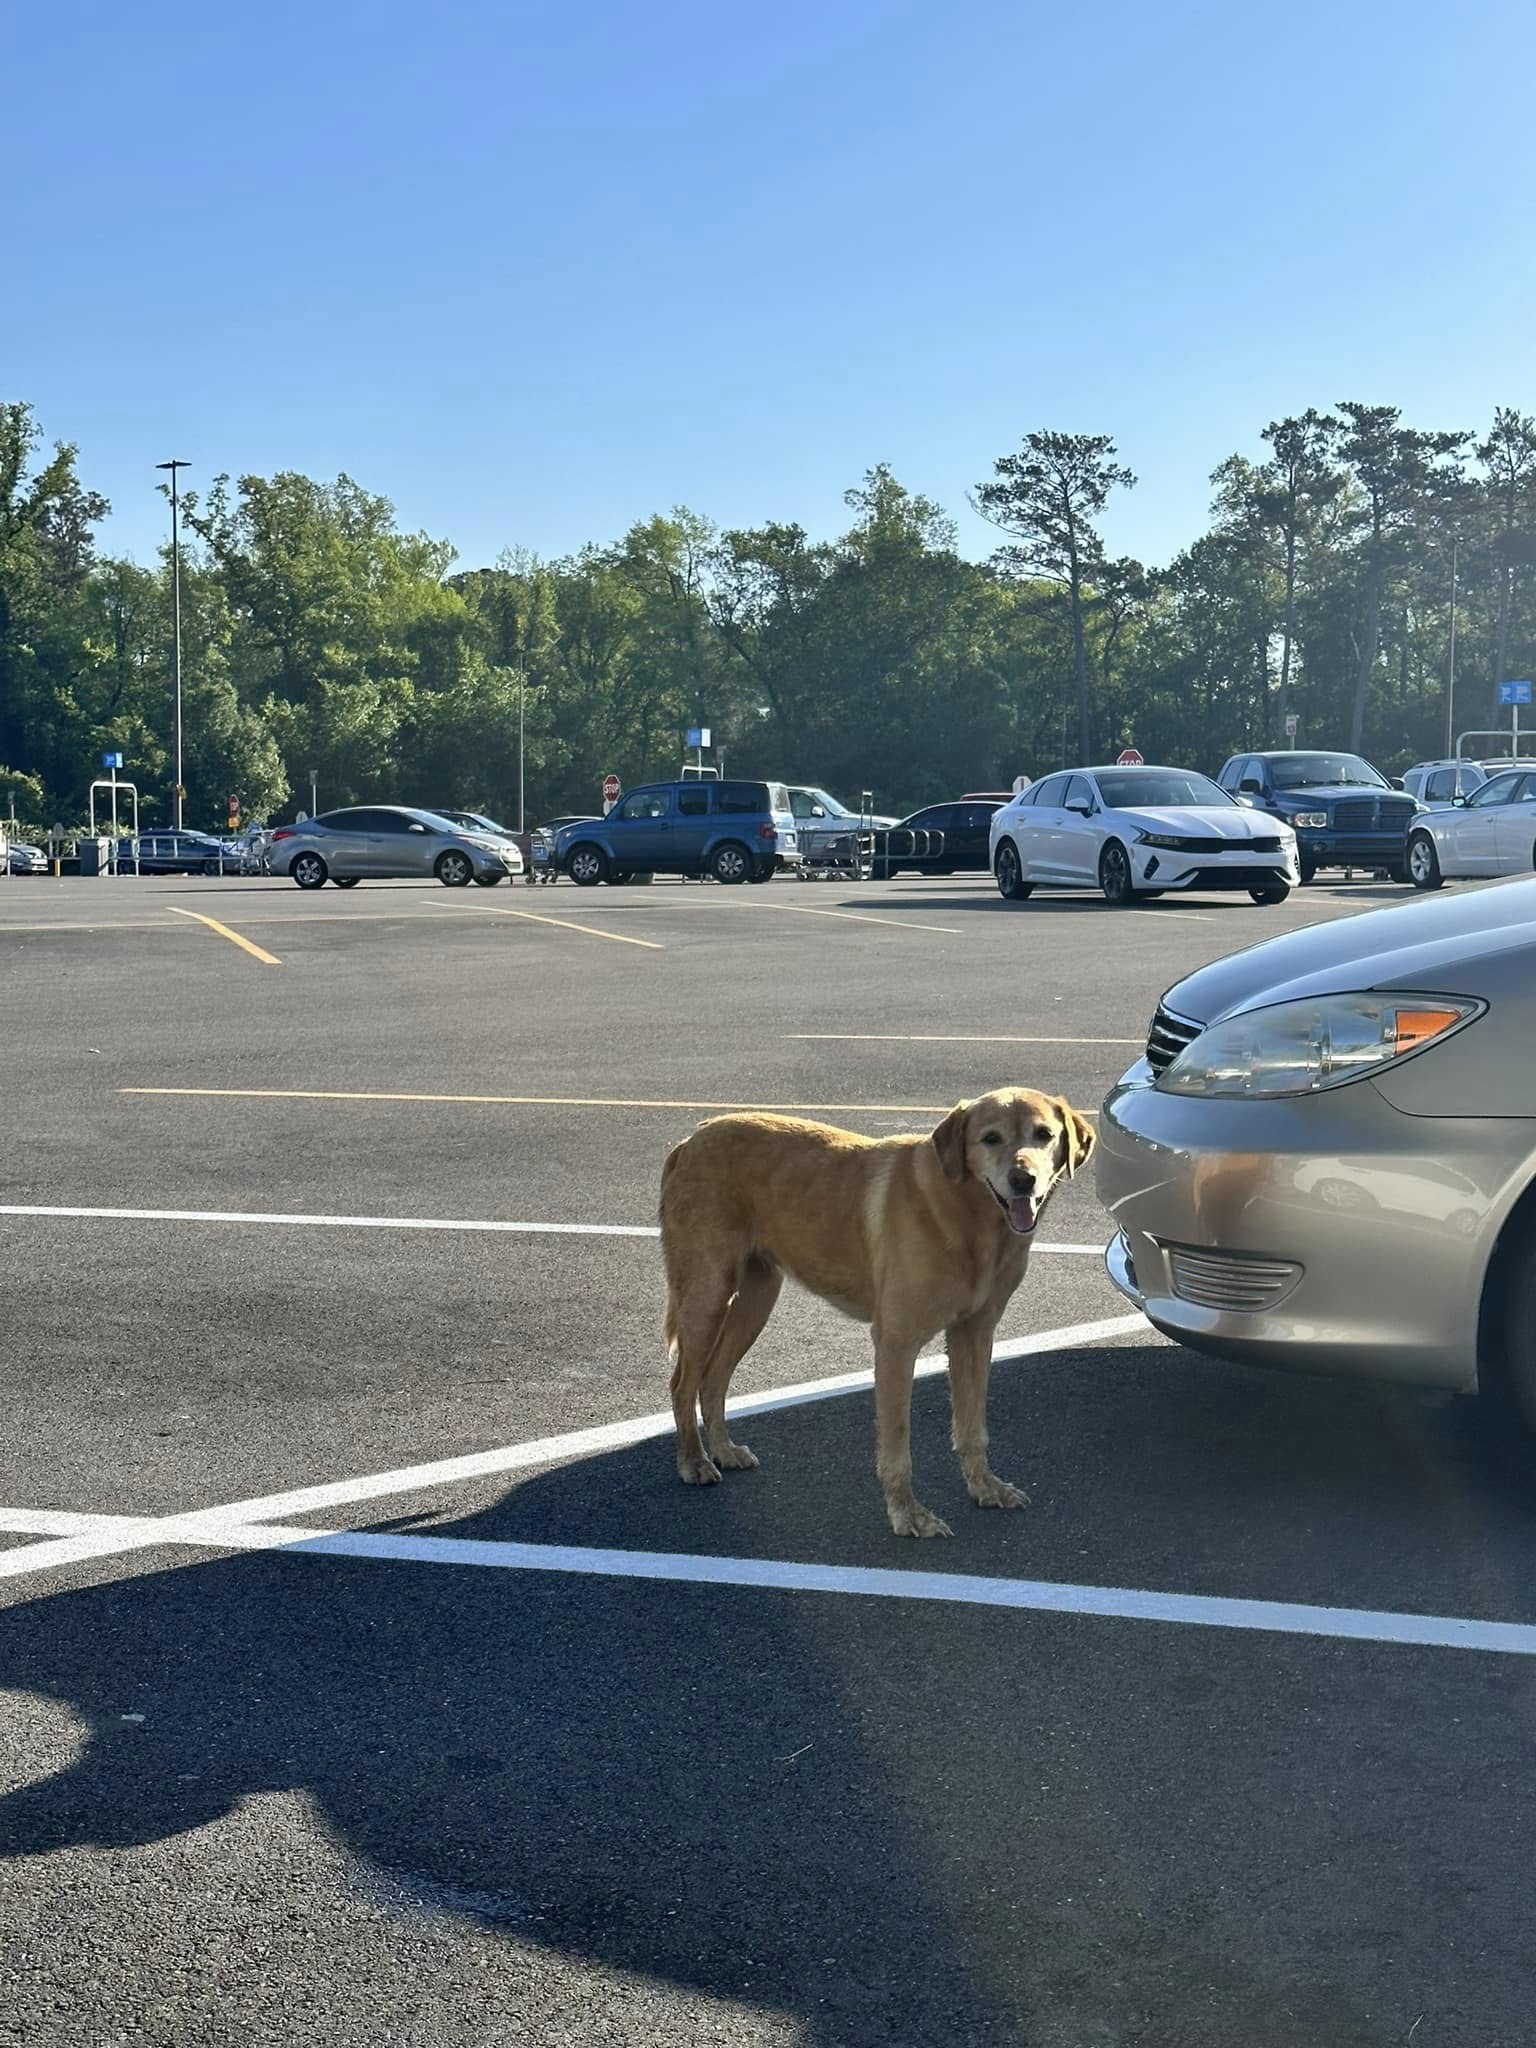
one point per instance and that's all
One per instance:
(111, 760)
(1514, 693)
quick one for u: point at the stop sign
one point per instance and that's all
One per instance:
(611, 789)
(1128, 757)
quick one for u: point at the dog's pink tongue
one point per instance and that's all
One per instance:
(1023, 1215)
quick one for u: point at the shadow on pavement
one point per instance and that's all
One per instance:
(899, 1822)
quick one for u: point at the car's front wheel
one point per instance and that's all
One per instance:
(765, 870)
(587, 866)
(309, 871)
(730, 863)
(1115, 876)
(1008, 872)
(488, 881)
(1308, 872)
(1276, 895)
(1507, 1379)
(1423, 862)
(454, 870)
(348, 881)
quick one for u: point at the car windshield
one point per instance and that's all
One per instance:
(1323, 771)
(1138, 789)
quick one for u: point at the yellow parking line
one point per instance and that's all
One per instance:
(558, 1101)
(936, 1038)
(246, 945)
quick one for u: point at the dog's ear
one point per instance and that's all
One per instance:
(1079, 1134)
(949, 1142)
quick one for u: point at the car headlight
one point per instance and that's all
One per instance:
(1323, 1042)
(1315, 821)
(1169, 840)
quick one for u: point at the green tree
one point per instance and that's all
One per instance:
(1047, 497)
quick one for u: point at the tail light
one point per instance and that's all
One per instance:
(284, 832)
(768, 830)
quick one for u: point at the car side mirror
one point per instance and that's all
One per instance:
(1398, 782)
(1081, 809)
(817, 811)
(418, 827)
(1459, 801)
(1248, 787)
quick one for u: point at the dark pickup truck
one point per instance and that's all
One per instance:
(1344, 814)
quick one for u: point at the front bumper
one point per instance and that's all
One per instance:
(1352, 849)
(1325, 1233)
(1157, 867)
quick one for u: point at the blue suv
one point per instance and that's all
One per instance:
(735, 831)
(1344, 814)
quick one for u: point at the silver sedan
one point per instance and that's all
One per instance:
(1327, 1157)
(389, 842)
(1490, 832)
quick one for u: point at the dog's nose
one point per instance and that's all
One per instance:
(1021, 1180)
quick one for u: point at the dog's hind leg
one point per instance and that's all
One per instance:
(696, 1315)
(753, 1305)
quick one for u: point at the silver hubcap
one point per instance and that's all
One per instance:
(1007, 868)
(308, 868)
(1115, 874)
(729, 866)
(584, 865)
(455, 868)
(1418, 860)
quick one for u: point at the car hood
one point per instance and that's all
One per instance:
(1309, 794)
(1201, 821)
(1453, 945)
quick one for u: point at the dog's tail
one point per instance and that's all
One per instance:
(669, 1324)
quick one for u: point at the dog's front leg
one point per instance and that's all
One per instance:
(969, 1344)
(894, 1360)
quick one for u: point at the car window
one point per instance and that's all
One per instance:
(1078, 791)
(1232, 774)
(1526, 791)
(1312, 771)
(740, 799)
(1501, 790)
(1131, 788)
(1048, 794)
(343, 821)
(1440, 785)
(647, 803)
(976, 817)
(936, 818)
(693, 802)
(389, 821)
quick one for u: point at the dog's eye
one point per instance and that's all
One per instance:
(1041, 1135)
(991, 1138)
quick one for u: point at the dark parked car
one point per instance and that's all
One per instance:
(176, 853)
(941, 839)
(735, 831)
(1344, 814)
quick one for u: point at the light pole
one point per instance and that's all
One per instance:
(522, 685)
(1450, 686)
(173, 467)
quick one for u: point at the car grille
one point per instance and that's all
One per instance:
(1371, 814)
(1226, 845)
(1168, 1037)
(1229, 1281)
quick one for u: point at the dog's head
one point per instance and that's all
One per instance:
(1018, 1144)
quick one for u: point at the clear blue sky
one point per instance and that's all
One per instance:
(535, 271)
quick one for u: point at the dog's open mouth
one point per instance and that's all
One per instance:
(1023, 1212)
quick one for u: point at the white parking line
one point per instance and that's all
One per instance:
(289, 1218)
(78, 1538)
(217, 1531)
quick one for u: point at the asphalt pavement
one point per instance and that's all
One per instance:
(366, 1676)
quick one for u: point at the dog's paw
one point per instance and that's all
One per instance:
(735, 1458)
(698, 1471)
(991, 1492)
(914, 1520)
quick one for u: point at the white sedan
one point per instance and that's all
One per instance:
(1134, 832)
(1491, 832)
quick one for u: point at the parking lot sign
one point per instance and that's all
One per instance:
(697, 736)
(111, 760)
(1514, 693)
